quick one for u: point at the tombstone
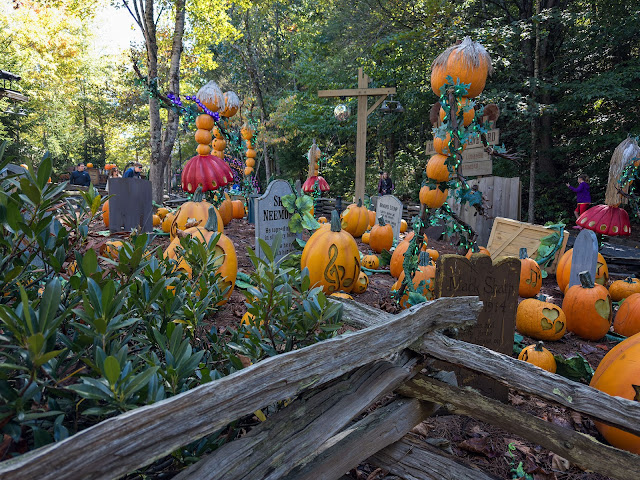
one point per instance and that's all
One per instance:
(251, 204)
(374, 201)
(12, 169)
(130, 205)
(390, 209)
(496, 284)
(584, 257)
(272, 218)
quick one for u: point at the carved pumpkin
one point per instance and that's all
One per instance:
(361, 284)
(156, 220)
(227, 260)
(424, 280)
(539, 319)
(238, 208)
(437, 169)
(563, 271)
(332, 257)
(105, 213)
(370, 261)
(365, 237)
(588, 309)
(162, 212)
(226, 210)
(355, 219)
(539, 356)
(627, 321)
(467, 117)
(166, 222)
(381, 236)
(467, 62)
(621, 289)
(207, 171)
(530, 276)
(433, 197)
(618, 375)
(196, 209)
(342, 295)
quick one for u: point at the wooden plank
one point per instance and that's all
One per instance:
(507, 241)
(275, 446)
(514, 199)
(576, 447)
(356, 443)
(616, 411)
(356, 92)
(141, 436)
(414, 459)
(523, 376)
(376, 104)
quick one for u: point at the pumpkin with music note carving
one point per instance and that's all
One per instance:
(332, 257)
(538, 356)
(530, 276)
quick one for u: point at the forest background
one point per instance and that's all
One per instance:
(567, 81)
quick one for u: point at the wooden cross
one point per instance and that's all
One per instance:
(362, 92)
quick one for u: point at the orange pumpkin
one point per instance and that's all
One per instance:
(105, 213)
(162, 212)
(588, 309)
(539, 319)
(361, 284)
(563, 270)
(355, 219)
(381, 236)
(480, 250)
(322, 220)
(370, 261)
(423, 280)
(203, 137)
(437, 169)
(157, 221)
(89, 165)
(166, 222)
(195, 209)
(433, 197)
(250, 162)
(397, 257)
(203, 150)
(467, 62)
(204, 122)
(621, 289)
(248, 171)
(627, 321)
(433, 254)
(538, 356)
(226, 210)
(618, 375)
(238, 208)
(441, 145)
(530, 276)
(332, 257)
(365, 237)
(467, 117)
(111, 249)
(246, 131)
(403, 225)
(372, 218)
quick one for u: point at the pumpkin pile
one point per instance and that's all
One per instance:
(423, 280)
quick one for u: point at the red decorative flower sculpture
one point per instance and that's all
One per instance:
(207, 170)
(307, 186)
(606, 219)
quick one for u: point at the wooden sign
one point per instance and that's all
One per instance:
(496, 283)
(584, 257)
(493, 137)
(475, 161)
(390, 209)
(130, 206)
(272, 218)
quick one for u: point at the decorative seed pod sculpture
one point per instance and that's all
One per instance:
(219, 144)
(627, 321)
(588, 309)
(539, 356)
(618, 375)
(211, 96)
(530, 276)
(381, 237)
(206, 171)
(539, 319)
(231, 104)
(355, 219)
(332, 257)
(621, 289)
(313, 155)
(467, 62)
(195, 209)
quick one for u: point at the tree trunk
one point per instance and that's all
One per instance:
(531, 217)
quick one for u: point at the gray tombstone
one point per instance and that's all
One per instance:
(12, 169)
(272, 218)
(390, 209)
(130, 205)
(585, 256)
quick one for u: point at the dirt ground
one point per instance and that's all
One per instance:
(475, 442)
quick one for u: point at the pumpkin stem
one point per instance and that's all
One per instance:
(424, 259)
(212, 221)
(542, 297)
(630, 279)
(585, 279)
(538, 347)
(335, 222)
(381, 222)
(523, 254)
(637, 390)
(198, 194)
(359, 202)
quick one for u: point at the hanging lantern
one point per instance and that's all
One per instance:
(211, 96)
(341, 112)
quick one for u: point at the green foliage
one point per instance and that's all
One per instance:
(300, 207)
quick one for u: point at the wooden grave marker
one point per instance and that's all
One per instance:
(390, 209)
(584, 257)
(496, 283)
(272, 218)
(130, 205)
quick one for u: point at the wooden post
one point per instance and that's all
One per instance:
(362, 92)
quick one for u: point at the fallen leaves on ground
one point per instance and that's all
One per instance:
(481, 445)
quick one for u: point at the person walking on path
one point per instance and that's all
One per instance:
(385, 185)
(80, 176)
(133, 171)
(583, 195)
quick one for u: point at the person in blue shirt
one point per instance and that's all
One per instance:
(80, 176)
(133, 171)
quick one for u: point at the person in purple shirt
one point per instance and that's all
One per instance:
(583, 195)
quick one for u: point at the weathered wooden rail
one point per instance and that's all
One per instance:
(322, 433)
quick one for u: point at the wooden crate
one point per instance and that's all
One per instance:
(509, 236)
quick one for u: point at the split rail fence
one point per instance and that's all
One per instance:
(323, 432)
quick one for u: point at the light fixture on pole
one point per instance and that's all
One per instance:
(391, 106)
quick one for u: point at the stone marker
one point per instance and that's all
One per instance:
(271, 217)
(390, 208)
(496, 284)
(130, 205)
(585, 257)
